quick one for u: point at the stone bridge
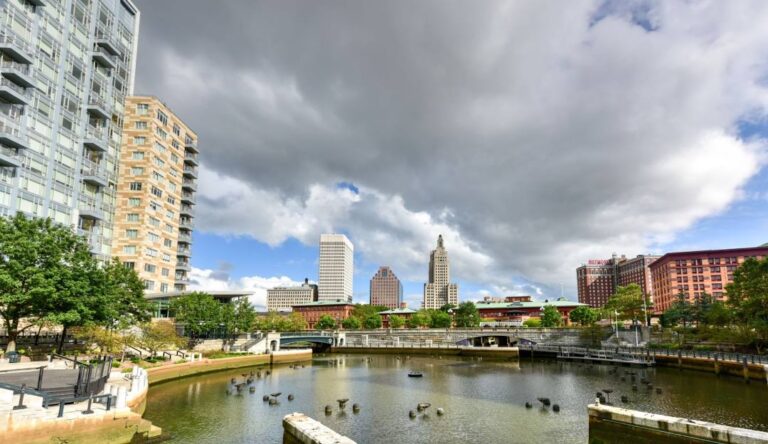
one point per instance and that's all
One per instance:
(446, 337)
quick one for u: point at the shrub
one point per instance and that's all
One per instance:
(532, 323)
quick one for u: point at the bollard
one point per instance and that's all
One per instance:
(61, 409)
(745, 370)
(40, 378)
(88, 411)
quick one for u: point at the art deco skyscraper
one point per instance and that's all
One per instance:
(156, 195)
(386, 289)
(439, 290)
(66, 68)
(336, 268)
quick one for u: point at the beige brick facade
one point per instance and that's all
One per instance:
(155, 195)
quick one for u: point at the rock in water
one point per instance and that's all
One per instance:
(411, 414)
(290, 397)
(555, 407)
(440, 411)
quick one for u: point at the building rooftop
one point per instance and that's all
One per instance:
(323, 303)
(398, 311)
(531, 304)
(761, 250)
(215, 294)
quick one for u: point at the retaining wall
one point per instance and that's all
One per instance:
(301, 429)
(746, 371)
(613, 424)
(487, 352)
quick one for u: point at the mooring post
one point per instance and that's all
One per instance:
(745, 369)
(21, 405)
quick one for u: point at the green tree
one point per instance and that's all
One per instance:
(628, 301)
(362, 311)
(532, 323)
(584, 315)
(440, 319)
(550, 317)
(372, 321)
(718, 315)
(123, 295)
(396, 321)
(748, 295)
(419, 319)
(238, 316)
(325, 323)
(680, 311)
(447, 307)
(156, 336)
(199, 312)
(351, 323)
(47, 274)
(466, 315)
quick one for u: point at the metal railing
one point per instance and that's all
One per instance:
(16, 66)
(94, 100)
(190, 156)
(9, 152)
(10, 39)
(190, 169)
(18, 88)
(93, 132)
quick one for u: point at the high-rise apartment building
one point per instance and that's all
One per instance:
(156, 195)
(386, 289)
(336, 268)
(439, 290)
(66, 67)
(695, 273)
(598, 279)
(284, 298)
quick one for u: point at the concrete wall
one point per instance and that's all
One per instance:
(301, 429)
(439, 336)
(613, 424)
(747, 371)
(486, 352)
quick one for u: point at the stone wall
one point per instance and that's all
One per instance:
(301, 429)
(613, 424)
(485, 352)
(435, 336)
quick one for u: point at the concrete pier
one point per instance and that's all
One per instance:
(299, 428)
(613, 424)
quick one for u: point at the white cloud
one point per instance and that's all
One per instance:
(212, 280)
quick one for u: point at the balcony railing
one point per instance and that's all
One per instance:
(103, 57)
(190, 170)
(186, 224)
(190, 157)
(185, 238)
(188, 197)
(20, 94)
(21, 68)
(20, 50)
(189, 183)
(9, 157)
(183, 264)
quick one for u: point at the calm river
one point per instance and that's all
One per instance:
(484, 400)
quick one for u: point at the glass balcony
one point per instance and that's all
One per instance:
(186, 210)
(190, 171)
(97, 107)
(183, 265)
(189, 184)
(9, 157)
(188, 198)
(104, 58)
(13, 93)
(191, 145)
(96, 139)
(103, 40)
(185, 223)
(10, 133)
(184, 252)
(17, 73)
(185, 238)
(16, 48)
(190, 158)
(91, 212)
(95, 176)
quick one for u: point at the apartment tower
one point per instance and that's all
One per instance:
(439, 290)
(156, 195)
(386, 289)
(598, 279)
(695, 273)
(66, 67)
(336, 268)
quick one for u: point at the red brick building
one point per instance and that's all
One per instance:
(403, 312)
(598, 279)
(695, 273)
(515, 313)
(312, 312)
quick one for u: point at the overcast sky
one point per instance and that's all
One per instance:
(533, 135)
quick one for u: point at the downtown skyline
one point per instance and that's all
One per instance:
(519, 227)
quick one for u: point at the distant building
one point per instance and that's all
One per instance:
(489, 299)
(283, 298)
(515, 313)
(386, 289)
(439, 290)
(160, 302)
(336, 268)
(598, 279)
(313, 311)
(694, 273)
(403, 312)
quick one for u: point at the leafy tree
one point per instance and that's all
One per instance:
(680, 311)
(123, 295)
(628, 302)
(419, 319)
(47, 274)
(296, 322)
(325, 323)
(584, 315)
(274, 321)
(550, 317)
(532, 323)
(237, 316)
(351, 323)
(718, 314)
(440, 319)
(447, 307)
(199, 312)
(396, 321)
(362, 311)
(372, 321)
(159, 335)
(466, 315)
(748, 295)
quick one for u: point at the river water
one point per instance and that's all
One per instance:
(484, 400)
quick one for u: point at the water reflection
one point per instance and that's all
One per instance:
(484, 401)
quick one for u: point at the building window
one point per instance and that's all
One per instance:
(135, 186)
(165, 272)
(139, 140)
(133, 217)
(141, 125)
(129, 249)
(162, 117)
(164, 288)
(149, 285)
(137, 155)
(151, 252)
(150, 268)
(157, 191)
(129, 265)
(167, 243)
(131, 234)
(171, 200)
(142, 109)
(134, 202)
(137, 171)
(176, 130)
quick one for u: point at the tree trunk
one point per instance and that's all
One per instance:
(61, 342)
(12, 335)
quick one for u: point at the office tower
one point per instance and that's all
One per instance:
(336, 268)
(386, 289)
(695, 273)
(156, 195)
(440, 291)
(598, 279)
(284, 298)
(66, 68)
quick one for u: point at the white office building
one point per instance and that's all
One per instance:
(336, 268)
(439, 290)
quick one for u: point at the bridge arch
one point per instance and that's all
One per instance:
(490, 339)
